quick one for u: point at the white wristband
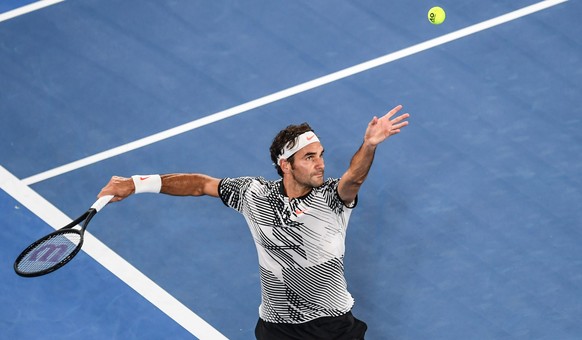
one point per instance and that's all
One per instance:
(147, 183)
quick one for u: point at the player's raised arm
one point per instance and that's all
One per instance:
(171, 184)
(379, 129)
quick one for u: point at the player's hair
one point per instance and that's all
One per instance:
(285, 136)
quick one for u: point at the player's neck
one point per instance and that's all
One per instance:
(294, 189)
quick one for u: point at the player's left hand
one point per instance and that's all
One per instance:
(380, 129)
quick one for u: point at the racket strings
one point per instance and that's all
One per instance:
(50, 252)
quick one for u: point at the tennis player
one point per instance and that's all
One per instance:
(298, 224)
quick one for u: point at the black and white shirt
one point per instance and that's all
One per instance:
(300, 245)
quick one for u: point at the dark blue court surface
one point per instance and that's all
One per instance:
(469, 224)
(8, 5)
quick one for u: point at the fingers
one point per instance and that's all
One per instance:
(399, 121)
(116, 199)
(393, 111)
(394, 125)
(389, 115)
(105, 192)
(399, 126)
(401, 117)
(119, 187)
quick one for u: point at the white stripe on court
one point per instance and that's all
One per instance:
(109, 259)
(291, 91)
(35, 6)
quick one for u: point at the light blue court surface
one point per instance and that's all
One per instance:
(468, 227)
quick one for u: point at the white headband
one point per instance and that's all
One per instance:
(302, 141)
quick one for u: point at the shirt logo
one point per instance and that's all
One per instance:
(300, 212)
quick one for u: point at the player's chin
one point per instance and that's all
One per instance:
(318, 180)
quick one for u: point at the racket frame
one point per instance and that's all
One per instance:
(68, 229)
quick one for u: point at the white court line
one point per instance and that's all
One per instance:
(109, 259)
(291, 91)
(27, 9)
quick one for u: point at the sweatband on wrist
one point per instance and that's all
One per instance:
(147, 183)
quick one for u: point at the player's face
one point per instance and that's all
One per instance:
(308, 166)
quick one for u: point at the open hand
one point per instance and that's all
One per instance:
(380, 129)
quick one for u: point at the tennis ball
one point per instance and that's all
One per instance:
(436, 15)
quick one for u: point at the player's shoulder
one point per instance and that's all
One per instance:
(330, 184)
(249, 181)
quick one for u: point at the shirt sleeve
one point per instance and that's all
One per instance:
(333, 198)
(232, 191)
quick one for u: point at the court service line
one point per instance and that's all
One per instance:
(35, 6)
(142, 284)
(292, 91)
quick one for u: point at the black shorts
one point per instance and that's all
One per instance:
(342, 327)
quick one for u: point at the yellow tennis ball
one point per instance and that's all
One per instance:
(436, 15)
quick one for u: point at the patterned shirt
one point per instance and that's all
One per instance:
(300, 244)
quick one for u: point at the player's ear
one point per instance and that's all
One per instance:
(285, 166)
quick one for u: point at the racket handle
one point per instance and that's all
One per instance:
(101, 202)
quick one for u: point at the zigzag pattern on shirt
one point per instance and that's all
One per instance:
(306, 293)
(300, 243)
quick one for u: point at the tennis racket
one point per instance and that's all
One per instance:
(57, 248)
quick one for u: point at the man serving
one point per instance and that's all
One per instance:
(298, 224)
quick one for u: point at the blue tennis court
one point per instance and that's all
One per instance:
(468, 226)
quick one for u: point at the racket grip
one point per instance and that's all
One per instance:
(101, 202)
